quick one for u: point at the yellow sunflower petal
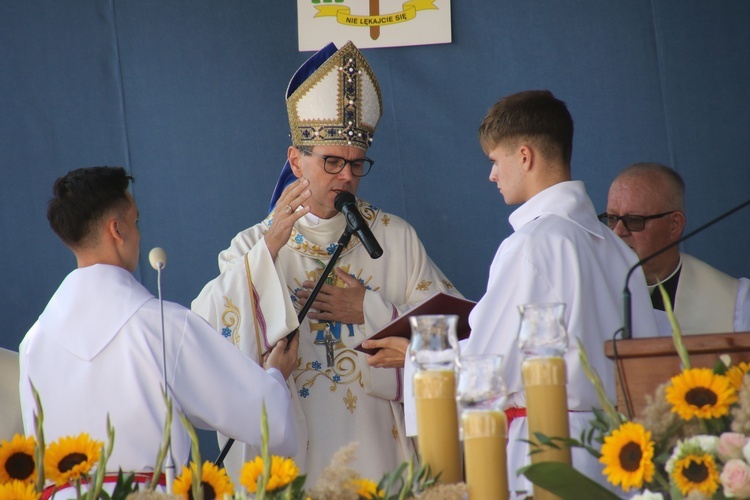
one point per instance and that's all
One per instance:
(696, 472)
(701, 393)
(18, 490)
(736, 374)
(215, 482)
(368, 489)
(17, 460)
(183, 483)
(69, 458)
(283, 472)
(627, 454)
(250, 473)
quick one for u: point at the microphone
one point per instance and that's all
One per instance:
(347, 205)
(157, 257)
(627, 331)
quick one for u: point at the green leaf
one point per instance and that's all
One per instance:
(565, 482)
(720, 368)
(545, 440)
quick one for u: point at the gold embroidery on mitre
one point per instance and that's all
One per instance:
(448, 284)
(339, 104)
(424, 285)
(386, 220)
(231, 320)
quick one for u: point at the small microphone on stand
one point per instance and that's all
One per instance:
(157, 257)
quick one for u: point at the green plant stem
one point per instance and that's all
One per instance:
(39, 446)
(406, 487)
(663, 483)
(676, 331)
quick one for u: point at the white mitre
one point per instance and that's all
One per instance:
(334, 99)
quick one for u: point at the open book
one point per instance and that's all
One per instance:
(438, 303)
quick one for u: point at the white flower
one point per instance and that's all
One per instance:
(726, 359)
(647, 495)
(709, 444)
(746, 452)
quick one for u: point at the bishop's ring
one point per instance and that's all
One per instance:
(288, 209)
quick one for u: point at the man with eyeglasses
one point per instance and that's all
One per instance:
(646, 208)
(268, 272)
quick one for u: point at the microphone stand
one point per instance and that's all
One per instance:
(627, 327)
(169, 468)
(340, 245)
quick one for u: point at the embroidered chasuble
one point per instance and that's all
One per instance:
(705, 299)
(253, 304)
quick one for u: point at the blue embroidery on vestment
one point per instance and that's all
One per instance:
(316, 365)
(304, 392)
(226, 332)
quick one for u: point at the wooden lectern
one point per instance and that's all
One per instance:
(649, 362)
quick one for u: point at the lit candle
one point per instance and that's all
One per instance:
(437, 423)
(544, 381)
(485, 440)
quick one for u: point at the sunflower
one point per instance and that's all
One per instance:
(696, 471)
(628, 455)
(17, 460)
(283, 472)
(367, 489)
(215, 482)
(699, 392)
(69, 458)
(736, 374)
(18, 490)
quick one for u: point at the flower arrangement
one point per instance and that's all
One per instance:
(691, 442)
(80, 461)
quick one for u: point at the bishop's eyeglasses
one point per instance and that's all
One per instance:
(633, 223)
(335, 164)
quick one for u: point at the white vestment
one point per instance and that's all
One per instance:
(96, 351)
(559, 252)
(349, 401)
(708, 300)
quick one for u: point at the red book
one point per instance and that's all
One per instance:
(438, 303)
